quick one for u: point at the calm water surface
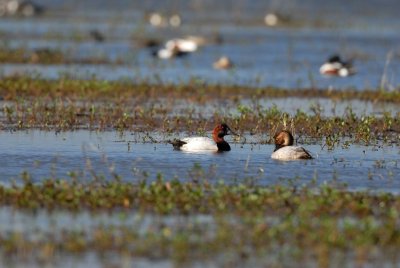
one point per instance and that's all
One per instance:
(286, 56)
(45, 154)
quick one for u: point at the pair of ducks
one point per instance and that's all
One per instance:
(284, 149)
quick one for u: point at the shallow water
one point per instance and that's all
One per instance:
(291, 105)
(44, 154)
(287, 56)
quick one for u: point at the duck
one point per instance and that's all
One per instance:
(176, 47)
(18, 7)
(217, 143)
(167, 53)
(223, 63)
(284, 149)
(336, 67)
(97, 36)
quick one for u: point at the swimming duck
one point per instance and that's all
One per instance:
(284, 149)
(223, 63)
(177, 47)
(335, 66)
(217, 143)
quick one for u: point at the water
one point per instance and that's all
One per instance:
(45, 154)
(287, 56)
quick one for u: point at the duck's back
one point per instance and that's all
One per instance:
(291, 153)
(198, 144)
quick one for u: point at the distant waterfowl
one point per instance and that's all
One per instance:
(223, 63)
(175, 20)
(284, 149)
(183, 45)
(97, 35)
(198, 40)
(271, 19)
(158, 20)
(217, 143)
(176, 48)
(336, 67)
(17, 7)
(165, 53)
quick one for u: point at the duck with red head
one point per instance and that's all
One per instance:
(284, 149)
(217, 143)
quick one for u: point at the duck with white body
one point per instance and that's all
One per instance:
(285, 150)
(195, 144)
(336, 67)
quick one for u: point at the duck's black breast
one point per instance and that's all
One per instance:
(223, 146)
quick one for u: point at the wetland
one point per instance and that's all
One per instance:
(87, 114)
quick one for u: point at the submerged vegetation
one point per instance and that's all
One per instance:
(14, 87)
(310, 224)
(48, 56)
(68, 104)
(244, 220)
(108, 202)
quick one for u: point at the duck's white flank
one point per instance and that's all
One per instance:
(330, 67)
(198, 144)
(290, 153)
(182, 45)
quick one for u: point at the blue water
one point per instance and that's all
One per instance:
(285, 56)
(107, 154)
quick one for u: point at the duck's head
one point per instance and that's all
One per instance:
(282, 139)
(334, 59)
(220, 131)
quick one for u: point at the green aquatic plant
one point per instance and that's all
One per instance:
(68, 104)
(92, 88)
(48, 56)
(241, 217)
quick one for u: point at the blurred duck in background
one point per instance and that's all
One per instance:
(177, 47)
(158, 20)
(17, 7)
(336, 67)
(223, 63)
